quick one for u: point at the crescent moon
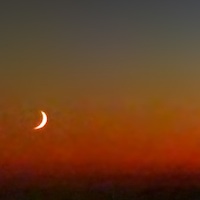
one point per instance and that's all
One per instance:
(44, 121)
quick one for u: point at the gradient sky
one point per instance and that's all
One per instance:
(118, 79)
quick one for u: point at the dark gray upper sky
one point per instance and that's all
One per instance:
(77, 47)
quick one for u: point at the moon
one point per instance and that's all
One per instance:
(44, 121)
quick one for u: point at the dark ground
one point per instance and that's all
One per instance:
(118, 194)
(127, 188)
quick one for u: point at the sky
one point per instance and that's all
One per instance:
(119, 81)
